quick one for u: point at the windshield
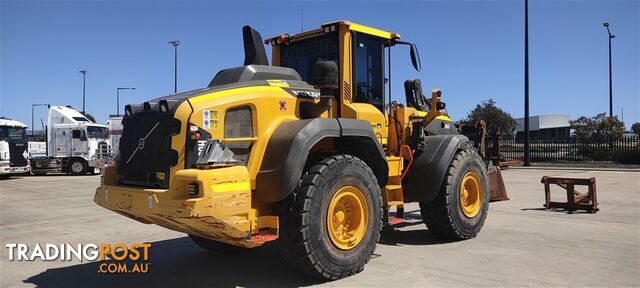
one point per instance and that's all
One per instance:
(13, 133)
(302, 55)
(97, 132)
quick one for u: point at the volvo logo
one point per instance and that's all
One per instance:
(141, 143)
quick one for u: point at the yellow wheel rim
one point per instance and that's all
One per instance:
(347, 217)
(470, 194)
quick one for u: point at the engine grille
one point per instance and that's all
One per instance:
(16, 154)
(145, 147)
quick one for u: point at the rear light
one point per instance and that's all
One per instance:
(192, 189)
(284, 38)
(195, 134)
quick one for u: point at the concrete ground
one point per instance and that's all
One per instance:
(521, 244)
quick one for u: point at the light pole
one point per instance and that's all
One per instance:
(118, 98)
(175, 44)
(611, 36)
(33, 125)
(527, 148)
(84, 78)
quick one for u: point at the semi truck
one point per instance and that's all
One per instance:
(75, 144)
(13, 147)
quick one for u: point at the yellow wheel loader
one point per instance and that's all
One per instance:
(310, 152)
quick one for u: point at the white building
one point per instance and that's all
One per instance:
(545, 126)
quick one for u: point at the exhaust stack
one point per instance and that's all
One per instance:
(254, 52)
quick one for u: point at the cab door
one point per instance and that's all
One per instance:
(364, 94)
(79, 145)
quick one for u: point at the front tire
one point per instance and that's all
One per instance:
(460, 209)
(77, 167)
(331, 229)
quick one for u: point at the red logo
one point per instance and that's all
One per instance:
(283, 105)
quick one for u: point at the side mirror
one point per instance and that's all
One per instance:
(415, 57)
(325, 75)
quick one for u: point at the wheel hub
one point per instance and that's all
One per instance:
(470, 194)
(76, 167)
(347, 217)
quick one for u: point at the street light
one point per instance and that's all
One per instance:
(33, 125)
(175, 44)
(527, 147)
(84, 78)
(611, 36)
(118, 98)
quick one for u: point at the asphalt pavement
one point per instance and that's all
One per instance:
(521, 244)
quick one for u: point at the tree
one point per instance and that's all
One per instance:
(89, 116)
(635, 128)
(598, 126)
(494, 117)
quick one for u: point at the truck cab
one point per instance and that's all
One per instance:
(13, 147)
(75, 144)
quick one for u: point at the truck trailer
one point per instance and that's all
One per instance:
(115, 132)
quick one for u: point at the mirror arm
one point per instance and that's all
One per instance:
(401, 42)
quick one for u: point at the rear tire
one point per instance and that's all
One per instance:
(215, 246)
(77, 167)
(339, 194)
(460, 209)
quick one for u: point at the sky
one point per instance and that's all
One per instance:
(471, 50)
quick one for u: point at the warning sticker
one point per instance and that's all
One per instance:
(278, 83)
(210, 119)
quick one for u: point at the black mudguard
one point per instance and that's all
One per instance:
(287, 151)
(426, 174)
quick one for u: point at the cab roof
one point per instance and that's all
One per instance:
(364, 29)
(11, 123)
(330, 26)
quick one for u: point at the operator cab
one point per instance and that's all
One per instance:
(370, 57)
(363, 57)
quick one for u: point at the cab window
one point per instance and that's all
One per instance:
(75, 134)
(368, 70)
(98, 132)
(302, 55)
